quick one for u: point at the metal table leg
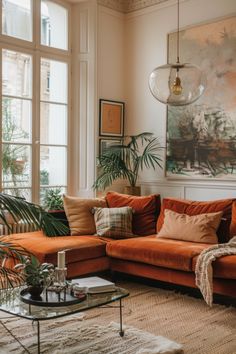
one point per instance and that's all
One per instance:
(38, 327)
(121, 333)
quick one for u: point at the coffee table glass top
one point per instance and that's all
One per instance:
(13, 305)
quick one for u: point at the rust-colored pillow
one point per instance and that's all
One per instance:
(190, 208)
(79, 214)
(146, 210)
(196, 228)
(233, 221)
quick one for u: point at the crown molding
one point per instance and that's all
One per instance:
(127, 6)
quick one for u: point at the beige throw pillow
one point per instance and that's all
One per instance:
(197, 228)
(79, 214)
(114, 222)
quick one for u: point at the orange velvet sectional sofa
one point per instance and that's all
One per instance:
(147, 255)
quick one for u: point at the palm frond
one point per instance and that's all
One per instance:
(30, 213)
(10, 278)
(10, 255)
(125, 160)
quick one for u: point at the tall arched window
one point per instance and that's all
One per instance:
(35, 56)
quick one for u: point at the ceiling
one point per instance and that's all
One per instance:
(126, 6)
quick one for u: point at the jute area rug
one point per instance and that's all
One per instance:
(180, 318)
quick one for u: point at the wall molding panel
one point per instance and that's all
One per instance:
(84, 91)
(204, 190)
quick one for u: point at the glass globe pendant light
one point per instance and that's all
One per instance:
(177, 84)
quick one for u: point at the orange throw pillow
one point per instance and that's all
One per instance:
(146, 210)
(190, 208)
(79, 214)
(196, 228)
(233, 221)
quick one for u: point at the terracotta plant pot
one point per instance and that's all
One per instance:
(132, 190)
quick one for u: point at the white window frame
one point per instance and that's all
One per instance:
(38, 51)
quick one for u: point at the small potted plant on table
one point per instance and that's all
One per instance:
(36, 275)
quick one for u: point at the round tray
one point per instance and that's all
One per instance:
(53, 299)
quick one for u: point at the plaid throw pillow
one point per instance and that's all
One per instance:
(113, 222)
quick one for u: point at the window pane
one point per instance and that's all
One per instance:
(53, 124)
(16, 165)
(23, 193)
(16, 120)
(16, 74)
(53, 163)
(54, 25)
(17, 19)
(53, 81)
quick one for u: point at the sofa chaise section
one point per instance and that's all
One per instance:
(84, 254)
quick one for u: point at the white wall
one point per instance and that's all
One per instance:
(146, 48)
(111, 54)
(129, 47)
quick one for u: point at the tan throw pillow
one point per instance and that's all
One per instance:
(114, 222)
(196, 228)
(79, 214)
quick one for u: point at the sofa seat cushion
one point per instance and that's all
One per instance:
(223, 267)
(156, 251)
(45, 248)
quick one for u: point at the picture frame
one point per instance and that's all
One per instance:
(201, 137)
(104, 144)
(111, 118)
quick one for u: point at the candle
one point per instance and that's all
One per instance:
(61, 259)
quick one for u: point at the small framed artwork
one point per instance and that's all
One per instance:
(104, 144)
(111, 118)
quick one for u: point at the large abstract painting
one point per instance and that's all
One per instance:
(201, 137)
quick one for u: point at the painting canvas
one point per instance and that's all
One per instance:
(201, 137)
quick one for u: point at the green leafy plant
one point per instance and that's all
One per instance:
(30, 213)
(53, 199)
(10, 254)
(14, 159)
(35, 273)
(127, 160)
(44, 177)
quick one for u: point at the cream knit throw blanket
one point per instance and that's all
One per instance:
(203, 270)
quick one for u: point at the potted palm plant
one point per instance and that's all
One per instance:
(127, 160)
(10, 253)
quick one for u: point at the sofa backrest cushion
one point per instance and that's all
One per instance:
(79, 214)
(190, 208)
(233, 221)
(113, 222)
(146, 210)
(196, 228)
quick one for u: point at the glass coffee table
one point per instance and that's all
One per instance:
(15, 306)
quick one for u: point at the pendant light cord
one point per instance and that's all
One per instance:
(178, 33)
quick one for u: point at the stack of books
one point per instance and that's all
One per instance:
(94, 285)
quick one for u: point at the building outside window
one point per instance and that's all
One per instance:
(34, 82)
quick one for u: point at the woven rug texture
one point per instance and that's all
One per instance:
(180, 318)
